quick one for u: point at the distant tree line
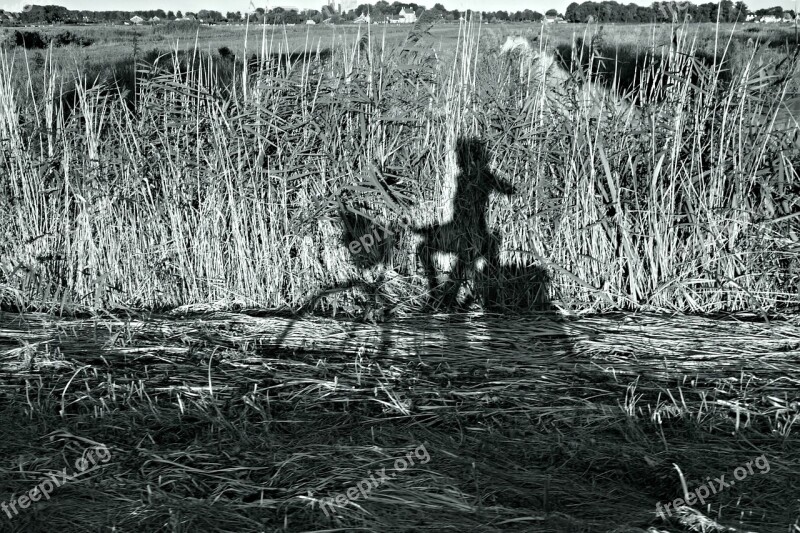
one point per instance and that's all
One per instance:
(606, 11)
(610, 11)
(439, 12)
(776, 11)
(52, 14)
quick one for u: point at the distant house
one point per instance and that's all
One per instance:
(554, 20)
(155, 20)
(136, 19)
(751, 18)
(362, 19)
(406, 16)
(310, 22)
(769, 19)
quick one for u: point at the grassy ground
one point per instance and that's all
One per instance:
(229, 422)
(115, 43)
(116, 49)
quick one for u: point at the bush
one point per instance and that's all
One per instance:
(66, 38)
(225, 52)
(30, 40)
(34, 40)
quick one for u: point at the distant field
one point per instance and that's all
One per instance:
(116, 45)
(115, 42)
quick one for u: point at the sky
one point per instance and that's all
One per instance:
(243, 5)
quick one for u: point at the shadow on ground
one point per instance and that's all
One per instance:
(228, 421)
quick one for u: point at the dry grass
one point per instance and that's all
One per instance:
(229, 422)
(199, 194)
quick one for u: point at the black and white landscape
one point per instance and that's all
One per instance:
(382, 268)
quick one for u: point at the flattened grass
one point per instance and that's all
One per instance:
(223, 422)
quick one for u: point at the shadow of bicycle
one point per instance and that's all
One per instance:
(458, 258)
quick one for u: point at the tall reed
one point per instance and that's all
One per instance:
(208, 194)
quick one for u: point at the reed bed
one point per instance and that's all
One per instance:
(245, 422)
(225, 191)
